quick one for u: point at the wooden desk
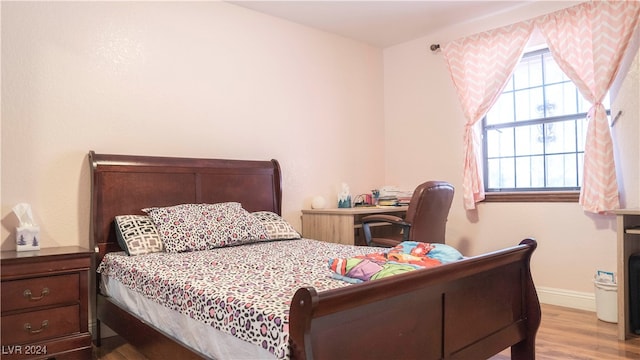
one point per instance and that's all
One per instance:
(344, 226)
(628, 244)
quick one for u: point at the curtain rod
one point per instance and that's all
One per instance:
(434, 47)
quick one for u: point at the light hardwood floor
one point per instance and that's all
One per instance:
(564, 334)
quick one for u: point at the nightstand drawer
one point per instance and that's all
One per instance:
(38, 325)
(49, 290)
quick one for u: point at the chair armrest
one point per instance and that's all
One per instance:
(381, 218)
(384, 218)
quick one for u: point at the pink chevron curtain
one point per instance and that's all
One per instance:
(480, 66)
(588, 42)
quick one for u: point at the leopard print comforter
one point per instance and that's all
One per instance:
(242, 290)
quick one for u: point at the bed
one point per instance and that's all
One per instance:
(470, 309)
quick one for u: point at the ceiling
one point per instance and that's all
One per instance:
(380, 23)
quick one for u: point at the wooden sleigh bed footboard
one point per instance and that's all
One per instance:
(471, 309)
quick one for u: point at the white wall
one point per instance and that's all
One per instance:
(424, 131)
(201, 79)
(626, 106)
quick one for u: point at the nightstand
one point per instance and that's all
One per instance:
(44, 301)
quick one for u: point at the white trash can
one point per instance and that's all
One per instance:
(606, 301)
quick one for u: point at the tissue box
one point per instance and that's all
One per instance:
(27, 238)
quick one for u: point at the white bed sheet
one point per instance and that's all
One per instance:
(204, 339)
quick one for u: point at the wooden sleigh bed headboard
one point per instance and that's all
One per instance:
(125, 184)
(470, 309)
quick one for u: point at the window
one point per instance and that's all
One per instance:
(533, 137)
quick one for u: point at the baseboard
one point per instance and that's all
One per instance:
(105, 331)
(567, 298)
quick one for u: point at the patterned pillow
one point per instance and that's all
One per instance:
(193, 227)
(277, 227)
(137, 235)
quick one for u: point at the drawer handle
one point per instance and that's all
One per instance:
(27, 293)
(44, 324)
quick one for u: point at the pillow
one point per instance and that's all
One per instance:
(137, 235)
(277, 228)
(193, 227)
(445, 253)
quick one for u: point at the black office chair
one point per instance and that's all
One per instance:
(425, 220)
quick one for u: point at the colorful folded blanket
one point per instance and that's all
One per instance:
(406, 256)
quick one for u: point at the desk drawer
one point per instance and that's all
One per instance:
(49, 290)
(32, 326)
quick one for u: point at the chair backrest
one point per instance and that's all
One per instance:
(428, 211)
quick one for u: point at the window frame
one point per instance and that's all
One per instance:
(531, 194)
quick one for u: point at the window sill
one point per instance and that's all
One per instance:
(538, 196)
